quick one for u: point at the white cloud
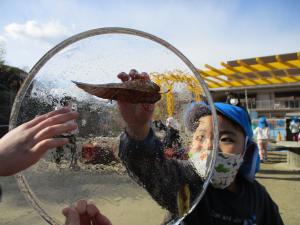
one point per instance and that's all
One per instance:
(205, 31)
(2, 39)
(34, 29)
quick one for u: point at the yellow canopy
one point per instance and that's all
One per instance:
(268, 70)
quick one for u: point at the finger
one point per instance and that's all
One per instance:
(81, 210)
(133, 74)
(92, 210)
(144, 76)
(147, 107)
(100, 219)
(65, 211)
(43, 117)
(72, 216)
(123, 76)
(40, 148)
(95, 215)
(57, 119)
(54, 130)
(81, 206)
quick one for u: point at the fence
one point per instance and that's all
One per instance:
(274, 104)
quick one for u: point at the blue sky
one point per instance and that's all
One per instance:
(205, 31)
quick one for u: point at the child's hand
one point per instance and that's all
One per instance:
(25, 145)
(84, 214)
(136, 116)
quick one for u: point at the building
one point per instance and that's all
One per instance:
(267, 86)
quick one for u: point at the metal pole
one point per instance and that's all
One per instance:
(246, 98)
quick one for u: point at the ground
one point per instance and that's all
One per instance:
(283, 184)
(280, 181)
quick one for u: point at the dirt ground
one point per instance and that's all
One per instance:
(281, 182)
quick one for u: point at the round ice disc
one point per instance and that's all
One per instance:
(150, 181)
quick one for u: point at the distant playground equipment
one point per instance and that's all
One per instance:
(167, 81)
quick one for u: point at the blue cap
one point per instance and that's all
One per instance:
(262, 122)
(237, 115)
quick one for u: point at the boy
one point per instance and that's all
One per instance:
(233, 197)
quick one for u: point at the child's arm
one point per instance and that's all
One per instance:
(268, 134)
(161, 177)
(142, 154)
(255, 131)
(25, 145)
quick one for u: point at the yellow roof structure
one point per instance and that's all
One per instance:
(268, 70)
(276, 70)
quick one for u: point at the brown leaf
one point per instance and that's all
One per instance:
(133, 91)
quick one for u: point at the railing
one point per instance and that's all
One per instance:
(274, 104)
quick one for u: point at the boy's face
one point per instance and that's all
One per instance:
(231, 138)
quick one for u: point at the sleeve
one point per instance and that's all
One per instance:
(255, 132)
(163, 126)
(290, 127)
(269, 213)
(162, 178)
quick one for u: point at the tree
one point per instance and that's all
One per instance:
(2, 54)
